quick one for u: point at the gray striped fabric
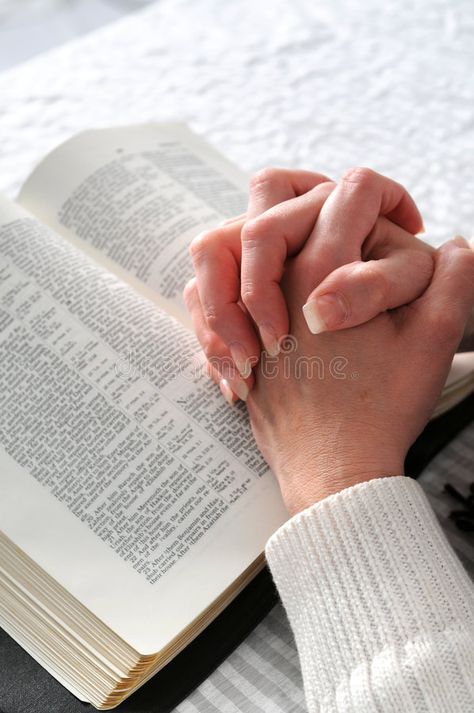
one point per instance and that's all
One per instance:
(263, 674)
(454, 465)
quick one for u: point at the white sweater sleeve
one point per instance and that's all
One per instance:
(380, 606)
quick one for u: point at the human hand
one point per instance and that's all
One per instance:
(371, 390)
(240, 264)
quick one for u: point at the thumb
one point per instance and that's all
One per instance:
(441, 313)
(357, 292)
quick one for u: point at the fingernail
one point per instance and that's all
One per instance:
(453, 243)
(240, 388)
(241, 359)
(325, 312)
(226, 391)
(269, 339)
(460, 241)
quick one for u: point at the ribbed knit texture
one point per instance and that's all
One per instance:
(381, 608)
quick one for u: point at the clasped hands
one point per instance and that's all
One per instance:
(337, 267)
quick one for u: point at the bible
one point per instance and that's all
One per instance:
(134, 504)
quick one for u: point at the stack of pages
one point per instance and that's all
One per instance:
(459, 385)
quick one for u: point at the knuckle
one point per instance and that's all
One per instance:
(466, 260)
(361, 176)
(210, 346)
(377, 284)
(422, 264)
(256, 229)
(251, 295)
(265, 178)
(202, 244)
(459, 268)
(189, 291)
(212, 317)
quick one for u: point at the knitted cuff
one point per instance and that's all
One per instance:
(364, 571)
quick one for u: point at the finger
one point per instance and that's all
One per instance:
(223, 384)
(386, 236)
(218, 253)
(234, 219)
(351, 212)
(220, 363)
(446, 305)
(216, 258)
(275, 185)
(357, 292)
(267, 242)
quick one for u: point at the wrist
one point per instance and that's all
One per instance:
(311, 479)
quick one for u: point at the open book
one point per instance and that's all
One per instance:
(134, 504)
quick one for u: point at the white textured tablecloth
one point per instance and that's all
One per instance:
(321, 84)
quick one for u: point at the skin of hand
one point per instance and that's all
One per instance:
(372, 388)
(239, 265)
(386, 268)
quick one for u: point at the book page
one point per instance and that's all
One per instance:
(123, 473)
(134, 198)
